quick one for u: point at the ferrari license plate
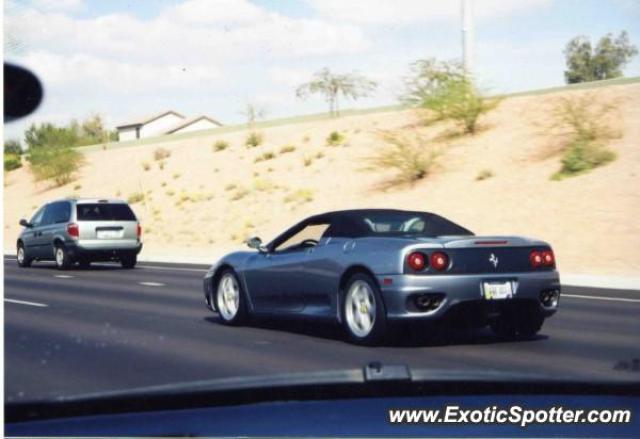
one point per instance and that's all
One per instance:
(497, 290)
(109, 234)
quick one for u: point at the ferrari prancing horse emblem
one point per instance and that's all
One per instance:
(494, 260)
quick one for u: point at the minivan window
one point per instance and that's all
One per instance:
(104, 212)
(36, 219)
(56, 213)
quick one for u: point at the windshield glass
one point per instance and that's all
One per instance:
(454, 189)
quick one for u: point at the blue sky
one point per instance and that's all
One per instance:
(125, 58)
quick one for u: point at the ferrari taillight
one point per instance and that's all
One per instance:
(439, 261)
(536, 259)
(139, 231)
(417, 261)
(542, 258)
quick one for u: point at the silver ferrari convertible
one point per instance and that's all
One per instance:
(367, 268)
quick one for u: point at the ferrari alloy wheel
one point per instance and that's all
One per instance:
(229, 299)
(363, 313)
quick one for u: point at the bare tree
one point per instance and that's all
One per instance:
(253, 112)
(349, 85)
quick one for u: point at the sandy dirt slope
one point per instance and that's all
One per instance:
(204, 203)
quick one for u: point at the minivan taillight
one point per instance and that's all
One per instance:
(139, 231)
(73, 230)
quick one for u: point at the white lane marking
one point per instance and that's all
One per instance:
(155, 267)
(611, 299)
(152, 284)
(63, 276)
(24, 302)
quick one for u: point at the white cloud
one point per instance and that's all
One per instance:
(228, 12)
(77, 71)
(58, 5)
(412, 11)
(189, 31)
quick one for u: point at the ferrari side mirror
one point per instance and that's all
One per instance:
(256, 243)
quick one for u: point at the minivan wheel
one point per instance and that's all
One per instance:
(363, 313)
(61, 257)
(128, 261)
(21, 255)
(230, 300)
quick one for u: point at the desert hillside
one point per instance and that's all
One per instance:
(202, 202)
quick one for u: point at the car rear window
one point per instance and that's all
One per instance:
(410, 223)
(105, 212)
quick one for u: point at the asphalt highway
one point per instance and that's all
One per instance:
(106, 328)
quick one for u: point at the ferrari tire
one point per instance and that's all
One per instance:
(363, 312)
(229, 299)
(22, 257)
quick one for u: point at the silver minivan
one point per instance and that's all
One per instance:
(81, 231)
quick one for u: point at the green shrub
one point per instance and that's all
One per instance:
(299, 196)
(239, 194)
(584, 125)
(582, 156)
(135, 197)
(230, 187)
(484, 174)
(253, 139)
(307, 161)
(410, 157)
(146, 166)
(12, 146)
(12, 161)
(220, 145)
(161, 154)
(264, 157)
(448, 93)
(287, 149)
(57, 163)
(262, 185)
(335, 139)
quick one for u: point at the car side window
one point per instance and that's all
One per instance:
(62, 213)
(36, 219)
(305, 238)
(50, 214)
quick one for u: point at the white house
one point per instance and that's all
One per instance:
(194, 124)
(167, 122)
(154, 125)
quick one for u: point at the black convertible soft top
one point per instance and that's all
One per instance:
(358, 223)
